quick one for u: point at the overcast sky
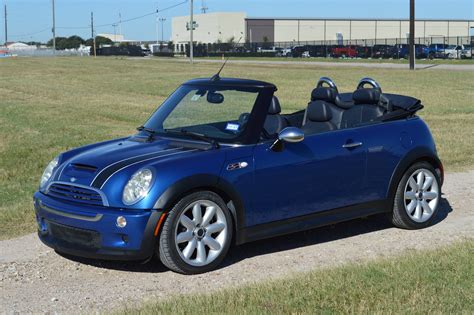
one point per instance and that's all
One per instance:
(31, 19)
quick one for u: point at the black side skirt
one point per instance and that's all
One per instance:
(310, 221)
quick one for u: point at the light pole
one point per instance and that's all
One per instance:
(54, 29)
(412, 34)
(191, 28)
(162, 20)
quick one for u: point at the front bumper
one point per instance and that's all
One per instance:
(92, 232)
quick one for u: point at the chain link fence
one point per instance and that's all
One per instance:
(425, 47)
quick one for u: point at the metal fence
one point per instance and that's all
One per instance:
(426, 47)
(46, 52)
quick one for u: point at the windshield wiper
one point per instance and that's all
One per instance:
(195, 135)
(151, 132)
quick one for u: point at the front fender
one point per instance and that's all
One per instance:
(205, 182)
(417, 154)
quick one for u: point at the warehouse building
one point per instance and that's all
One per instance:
(209, 28)
(309, 29)
(222, 26)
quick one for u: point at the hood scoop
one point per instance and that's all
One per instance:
(84, 167)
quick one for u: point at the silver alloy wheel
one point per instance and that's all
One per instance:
(201, 233)
(421, 195)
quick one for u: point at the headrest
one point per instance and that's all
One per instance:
(366, 96)
(324, 94)
(318, 111)
(274, 106)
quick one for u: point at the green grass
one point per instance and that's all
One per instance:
(355, 60)
(49, 105)
(434, 282)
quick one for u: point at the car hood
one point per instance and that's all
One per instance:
(93, 166)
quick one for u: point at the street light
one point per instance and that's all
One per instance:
(162, 20)
(412, 35)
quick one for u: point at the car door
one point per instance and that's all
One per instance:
(325, 171)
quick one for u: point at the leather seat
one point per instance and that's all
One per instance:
(331, 97)
(274, 122)
(366, 108)
(318, 118)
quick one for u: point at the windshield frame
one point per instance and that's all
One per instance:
(249, 134)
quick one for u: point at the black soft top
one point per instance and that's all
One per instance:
(231, 82)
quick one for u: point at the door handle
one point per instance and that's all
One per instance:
(352, 145)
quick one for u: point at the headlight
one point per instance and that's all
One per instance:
(48, 171)
(137, 187)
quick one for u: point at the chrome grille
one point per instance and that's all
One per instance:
(75, 193)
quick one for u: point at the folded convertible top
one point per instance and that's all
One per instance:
(404, 102)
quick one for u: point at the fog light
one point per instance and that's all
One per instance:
(121, 222)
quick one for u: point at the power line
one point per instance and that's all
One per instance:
(30, 34)
(127, 20)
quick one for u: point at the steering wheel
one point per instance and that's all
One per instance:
(328, 81)
(370, 82)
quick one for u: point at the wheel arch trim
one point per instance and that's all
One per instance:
(209, 182)
(418, 154)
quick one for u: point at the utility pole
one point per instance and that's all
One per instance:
(6, 26)
(92, 33)
(412, 34)
(54, 28)
(157, 26)
(162, 20)
(191, 29)
(120, 23)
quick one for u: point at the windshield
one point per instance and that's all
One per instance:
(217, 112)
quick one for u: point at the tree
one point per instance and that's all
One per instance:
(99, 41)
(72, 42)
(171, 46)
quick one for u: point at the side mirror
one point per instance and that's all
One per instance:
(290, 135)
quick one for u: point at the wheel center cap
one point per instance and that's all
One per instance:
(420, 195)
(200, 232)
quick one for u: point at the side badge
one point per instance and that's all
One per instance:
(237, 165)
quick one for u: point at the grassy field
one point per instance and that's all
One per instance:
(49, 105)
(437, 282)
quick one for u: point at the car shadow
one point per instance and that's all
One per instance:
(277, 244)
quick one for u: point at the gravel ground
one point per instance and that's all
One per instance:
(34, 279)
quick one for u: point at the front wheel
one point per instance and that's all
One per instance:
(417, 198)
(196, 234)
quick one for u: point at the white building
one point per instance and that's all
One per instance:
(221, 26)
(20, 46)
(209, 28)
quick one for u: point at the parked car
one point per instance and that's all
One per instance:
(467, 52)
(382, 51)
(219, 164)
(437, 51)
(401, 51)
(344, 51)
(454, 51)
(364, 52)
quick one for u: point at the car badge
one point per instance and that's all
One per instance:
(73, 179)
(236, 166)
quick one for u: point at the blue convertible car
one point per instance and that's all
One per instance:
(219, 164)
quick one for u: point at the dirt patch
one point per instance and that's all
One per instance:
(33, 278)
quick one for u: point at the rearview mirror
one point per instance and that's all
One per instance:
(290, 135)
(215, 98)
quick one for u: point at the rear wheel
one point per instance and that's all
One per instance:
(417, 198)
(196, 234)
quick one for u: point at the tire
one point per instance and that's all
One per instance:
(192, 218)
(415, 207)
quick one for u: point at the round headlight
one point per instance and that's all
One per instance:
(48, 172)
(137, 187)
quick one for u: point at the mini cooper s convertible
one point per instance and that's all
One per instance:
(219, 164)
